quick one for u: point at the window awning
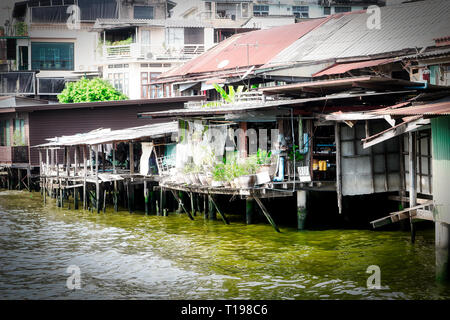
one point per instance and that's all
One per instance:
(345, 67)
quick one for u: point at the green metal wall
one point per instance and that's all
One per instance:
(440, 128)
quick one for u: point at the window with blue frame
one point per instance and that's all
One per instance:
(52, 56)
(259, 10)
(342, 9)
(300, 11)
(143, 12)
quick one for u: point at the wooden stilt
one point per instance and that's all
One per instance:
(222, 215)
(337, 137)
(104, 200)
(301, 209)
(211, 209)
(205, 207)
(146, 198)
(182, 205)
(115, 197)
(84, 177)
(97, 182)
(267, 214)
(412, 179)
(249, 210)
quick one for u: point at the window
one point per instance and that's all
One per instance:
(5, 139)
(327, 11)
(51, 86)
(19, 132)
(300, 11)
(149, 90)
(143, 12)
(244, 10)
(120, 81)
(91, 10)
(260, 10)
(342, 9)
(52, 56)
(175, 37)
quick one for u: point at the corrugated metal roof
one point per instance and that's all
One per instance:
(405, 26)
(345, 67)
(101, 136)
(430, 109)
(262, 45)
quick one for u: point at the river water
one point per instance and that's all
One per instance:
(132, 256)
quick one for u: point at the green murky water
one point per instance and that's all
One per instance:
(133, 256)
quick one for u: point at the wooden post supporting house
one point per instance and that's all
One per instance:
(301, 209)
(115, 191)
(412, 179)
(249, 210)
(97, 182)
(75, 173)
(146, 197)
(205, 207)
(212, 215)
(131, 185)
(337, 137)
(84, 177)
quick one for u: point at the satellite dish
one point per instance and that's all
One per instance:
(223, 64)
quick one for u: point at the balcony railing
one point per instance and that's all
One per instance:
(14, 154)
(151, 52)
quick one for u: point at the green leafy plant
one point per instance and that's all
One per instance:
(219, 172)
(85, 90)
(263, 157)
(18, 139)
(21, 29)
(228, 97)
(295, 153)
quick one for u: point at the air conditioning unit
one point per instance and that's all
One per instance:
(149, 55)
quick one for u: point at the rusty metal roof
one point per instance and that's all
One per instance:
(253, 48)
(403, 27)
(429, 109)
(345, 67)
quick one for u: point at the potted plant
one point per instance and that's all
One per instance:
(21, 29)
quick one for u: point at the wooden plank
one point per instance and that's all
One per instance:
(409, 213)
(267, 214)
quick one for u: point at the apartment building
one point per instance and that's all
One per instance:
(49, 42)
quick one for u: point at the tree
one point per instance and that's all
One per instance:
(85, 90)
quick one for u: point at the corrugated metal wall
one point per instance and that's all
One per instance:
(53, 123)
(371, 170)
(441, 167)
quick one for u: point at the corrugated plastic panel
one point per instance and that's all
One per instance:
(441, 167)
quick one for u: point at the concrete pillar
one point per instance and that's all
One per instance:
(301, 209)
(442, 251)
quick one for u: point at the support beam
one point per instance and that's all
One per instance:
(267, 214)
(249, 210)
(301, 209)
(222, 215)
(337, 138)
(412, 179)
(181, 204)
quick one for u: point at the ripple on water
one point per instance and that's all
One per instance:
(127, 256)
